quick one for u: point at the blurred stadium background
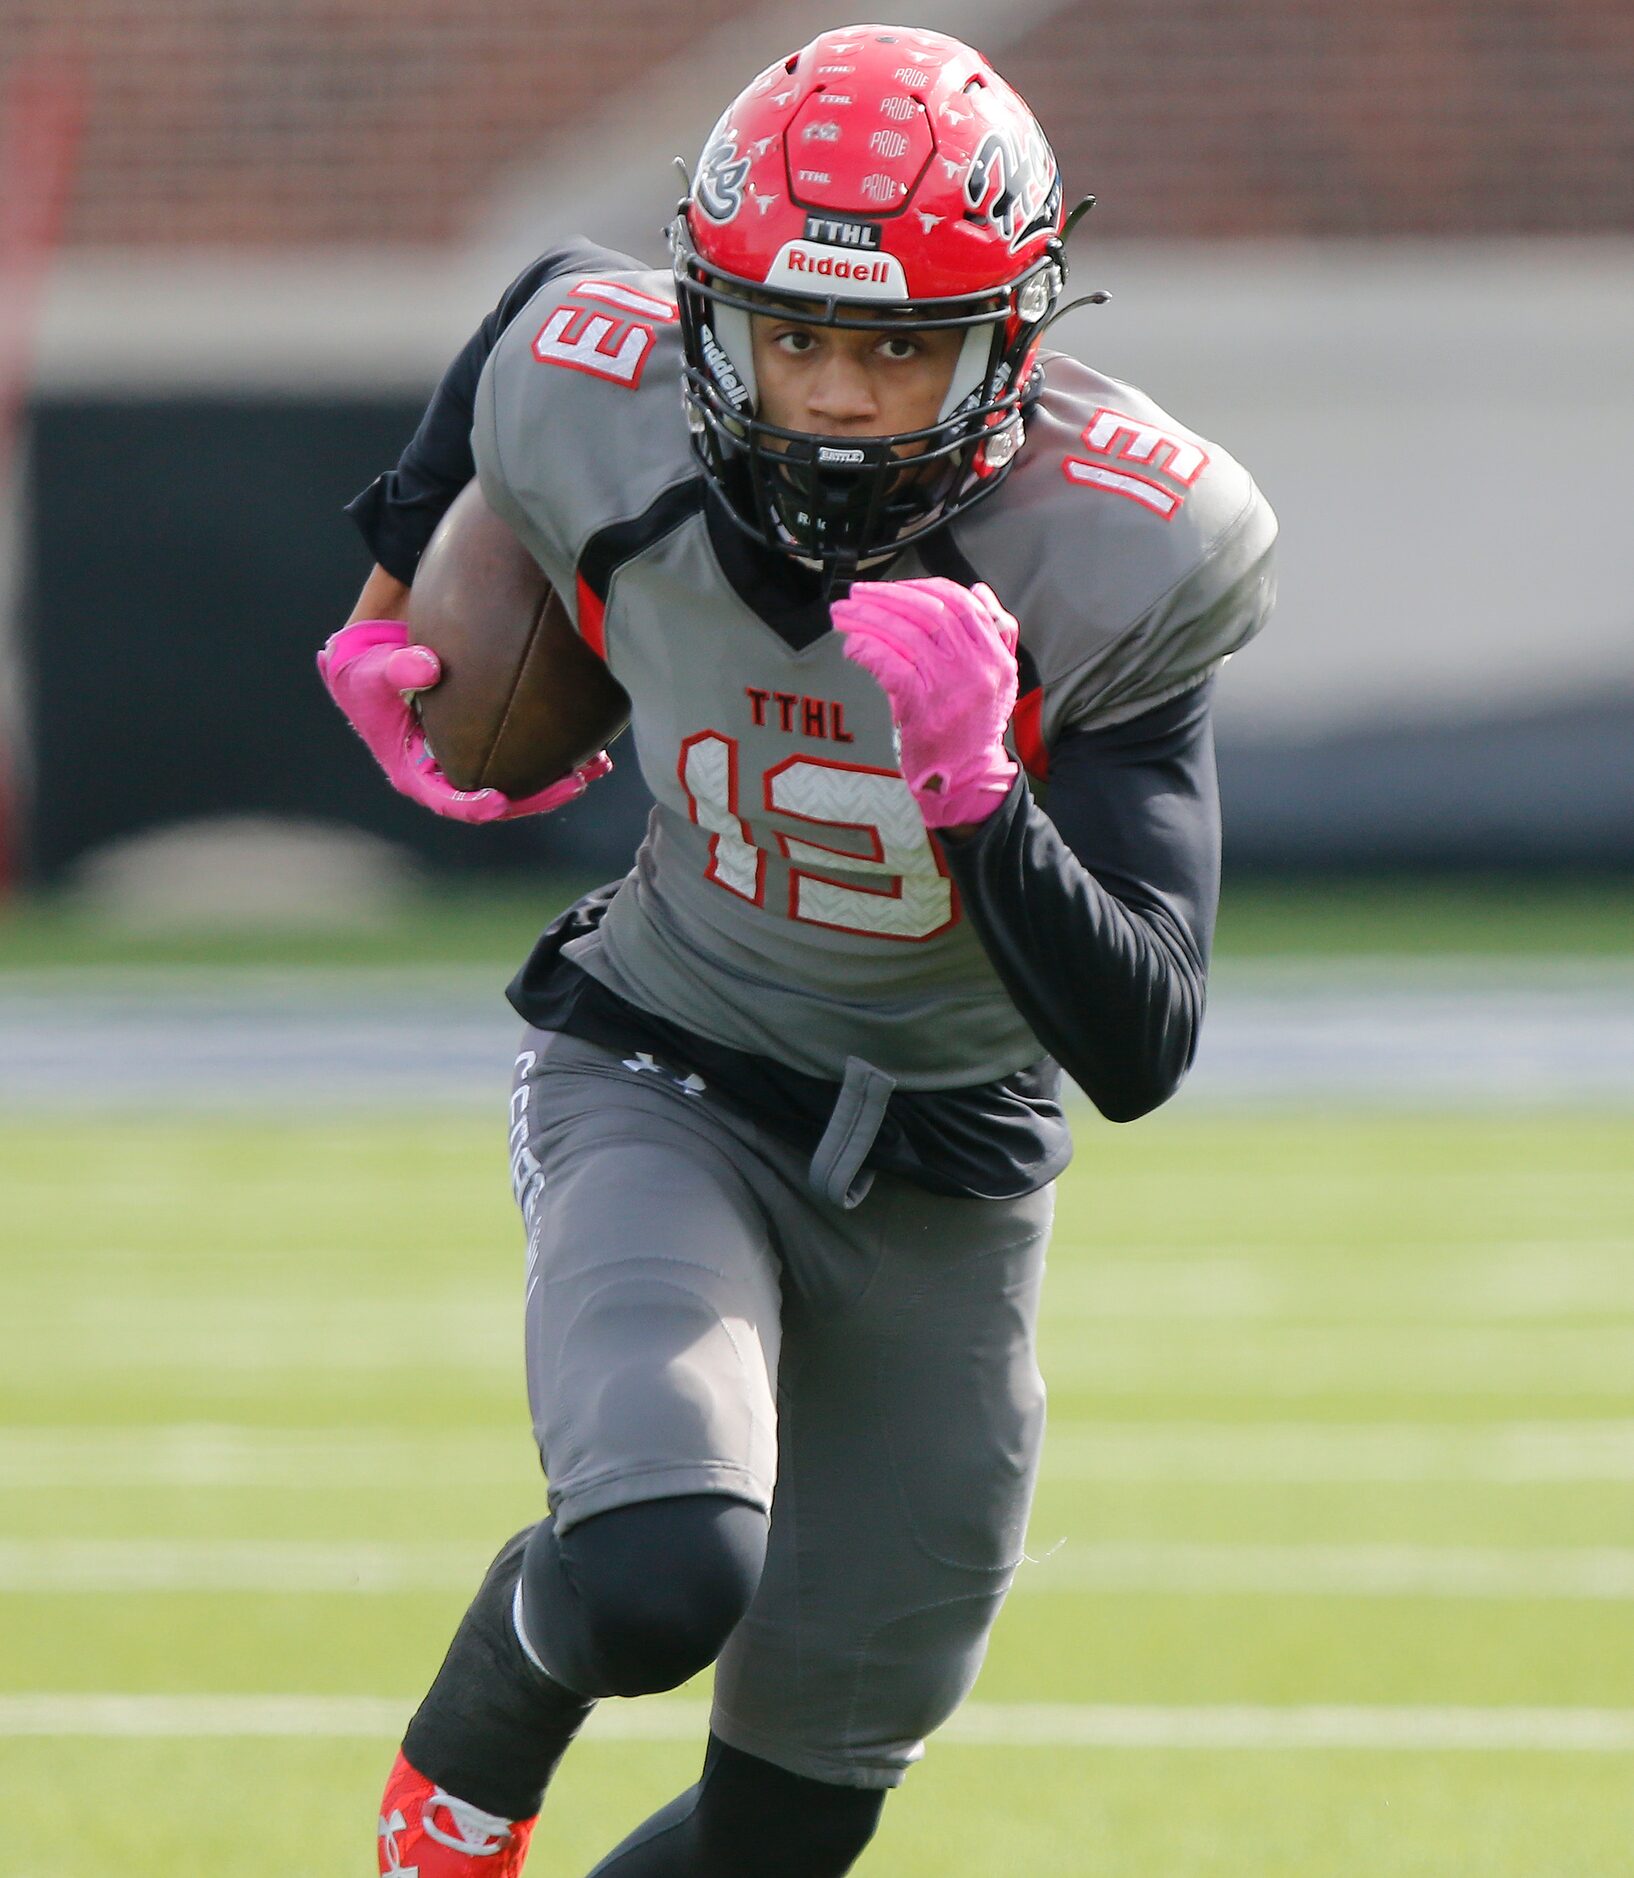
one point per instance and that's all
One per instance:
(1384, 253)
(1342, 1349)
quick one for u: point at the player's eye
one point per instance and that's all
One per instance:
(900, 346)
(796, 341)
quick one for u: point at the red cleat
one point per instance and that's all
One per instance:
(426, 1833)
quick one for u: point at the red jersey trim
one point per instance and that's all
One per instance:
(1027, 723)
(592, 620)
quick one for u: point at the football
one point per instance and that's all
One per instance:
(522, 699)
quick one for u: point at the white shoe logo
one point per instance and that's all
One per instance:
(389, 1829)
(475, 1832)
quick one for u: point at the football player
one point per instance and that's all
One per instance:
(869, 559)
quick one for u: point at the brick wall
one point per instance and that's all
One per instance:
(311, 122)
(308, 122)
(1341, 117)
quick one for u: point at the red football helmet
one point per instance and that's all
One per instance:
(882, 176)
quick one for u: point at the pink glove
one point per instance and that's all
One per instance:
(371, 671)
(945, 656)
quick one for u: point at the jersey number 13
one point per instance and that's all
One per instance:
(896, 889)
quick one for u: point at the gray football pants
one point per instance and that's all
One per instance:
(701, 1320)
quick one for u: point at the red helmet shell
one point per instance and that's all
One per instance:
(882, 163)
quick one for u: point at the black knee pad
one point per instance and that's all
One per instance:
(640, 1598)
(491, 1728)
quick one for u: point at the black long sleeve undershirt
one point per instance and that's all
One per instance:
(1099, 915)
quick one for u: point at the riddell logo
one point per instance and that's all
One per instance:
(726, 375)
(827, 264)
(854, 276)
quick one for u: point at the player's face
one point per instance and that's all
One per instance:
(834, 382)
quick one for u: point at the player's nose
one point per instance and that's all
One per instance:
(840, 393)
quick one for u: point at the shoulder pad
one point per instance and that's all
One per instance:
(579, 421)
(1134, 553)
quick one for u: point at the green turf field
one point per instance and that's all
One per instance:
(1342, 1420)
(493, 926)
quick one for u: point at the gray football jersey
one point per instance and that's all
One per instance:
(787, 899)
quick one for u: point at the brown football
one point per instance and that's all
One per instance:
(522, 699)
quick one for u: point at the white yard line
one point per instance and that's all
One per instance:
(1029, 1725)
(282, 1567)
(197, 1456)
(1395, 1283)
(1261, 1359)
(1146, 1255)
(1373, 1261)
(1275, 1453)
(1062, 1725)
(1345, 1571)
(266, 1567)
(177, 1717)
(262, 1337)
(1329, 1359)
(1507, 1285)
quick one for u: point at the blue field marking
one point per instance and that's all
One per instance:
(1433, 1034)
